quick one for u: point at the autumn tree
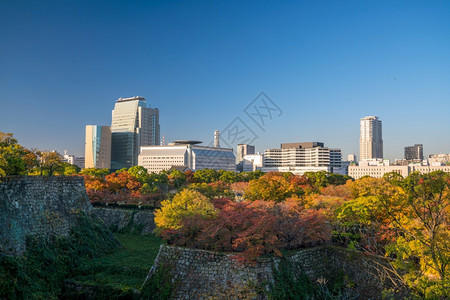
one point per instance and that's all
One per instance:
(185, 204)
(272, 187)
(422, 215)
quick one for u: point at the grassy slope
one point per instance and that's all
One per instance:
(126, 268)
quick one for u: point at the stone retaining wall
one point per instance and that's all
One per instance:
(200, 274)
(129, 220)
(38, 206)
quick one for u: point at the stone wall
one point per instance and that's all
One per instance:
(200, 274)
(128, 220)
(38, 206)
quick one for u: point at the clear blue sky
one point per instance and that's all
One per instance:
(325, 63)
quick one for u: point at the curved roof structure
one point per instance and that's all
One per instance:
(186, 142)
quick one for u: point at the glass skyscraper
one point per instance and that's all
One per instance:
(98, 147)
(133, 125)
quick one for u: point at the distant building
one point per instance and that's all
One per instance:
(243, 150)
(414, 152)
(217, 138)
(375, 162)
(73, 160)
(97, 150)
(299, 158)
(188, 154)
(439, 159)
(357, 172)
(133, 125)
(352, 158)
(252, 162)
(371, 140)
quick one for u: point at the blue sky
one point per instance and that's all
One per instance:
(326, 64)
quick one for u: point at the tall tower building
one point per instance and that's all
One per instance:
(371, 140)
(97, 147)
(216, 138)
(133, 125)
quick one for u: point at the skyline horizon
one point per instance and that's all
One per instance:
(344, 155)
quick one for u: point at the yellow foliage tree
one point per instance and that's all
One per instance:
(185, 204)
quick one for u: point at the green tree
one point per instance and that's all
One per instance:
(206, 176)
(50, 162)
(14, 159)
(140, 173)
(177, 178)
(94, 172)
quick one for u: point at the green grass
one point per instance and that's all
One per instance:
(126, 268)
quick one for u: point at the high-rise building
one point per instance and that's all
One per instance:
(371, 138)
(414, 152)
(243, 150)
(133, 125)
(97, 147)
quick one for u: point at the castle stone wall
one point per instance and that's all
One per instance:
(38, 206)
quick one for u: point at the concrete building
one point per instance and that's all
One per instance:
(243, 150)
(352, 158)
(371, 138)
(252, 162)
(97, 149)
(299, 158)
(414, 152)
(133, 125)
(186, 153)
(357, 172)
(439, 159)
(73, 160)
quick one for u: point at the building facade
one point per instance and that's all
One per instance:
(133, 125)
(252, 162)
(243, 150)
(371, 138)
(357, 172)
(440, 159)
(97, 149)
(414, 152)
(299, 158)
(158, 158)
(73, 160)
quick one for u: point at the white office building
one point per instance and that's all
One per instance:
(357, 172)
(371, 138)
(299, 158)
(186, 153)
(252, 162)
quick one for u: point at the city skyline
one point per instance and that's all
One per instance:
(325, 65)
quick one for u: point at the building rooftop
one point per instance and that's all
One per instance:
(131, 99)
